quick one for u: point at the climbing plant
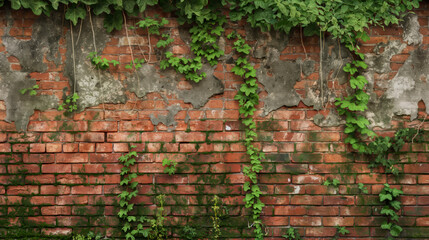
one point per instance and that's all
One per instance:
(248, 98)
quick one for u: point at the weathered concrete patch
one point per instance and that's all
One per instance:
(410, 85)
(19, 107)
(44, 43)
(201, 92)
(147, 80)
(404, 91)
(332, 120)
(411, 28)
(279, 78)
(167, 120)
(93, 86)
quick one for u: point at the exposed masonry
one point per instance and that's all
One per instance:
(96, 87)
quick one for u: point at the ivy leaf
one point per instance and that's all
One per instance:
(395, 204)
(395, 230)
(113, 21)
(73, 14)
(16, 4)
(386, 226)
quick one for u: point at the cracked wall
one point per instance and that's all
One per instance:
(278, 76)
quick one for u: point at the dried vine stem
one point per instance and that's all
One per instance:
(95, 49)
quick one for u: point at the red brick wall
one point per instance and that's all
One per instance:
(72, 177)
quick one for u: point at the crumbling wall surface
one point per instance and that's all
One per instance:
(62, 168)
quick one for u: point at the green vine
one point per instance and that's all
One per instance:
(203, 44)
(216, 233)
(389, 197)
(70, 104)
(131, 231)
(170, 166)
(101, 63)
(248, 98)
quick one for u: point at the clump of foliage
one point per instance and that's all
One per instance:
(31, 90)
(389, 197)
(334, 182)
(70, 104)
(170, 166)
(292, 234)
(88, 236)
(341, 230)
(101, 63)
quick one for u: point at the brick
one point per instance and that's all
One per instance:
(153, 147)
(3, 137)
(305, 179)
(208, 125)
(70, 179)
(190, 137)
(104, 157)
(305, 221)
(5, 147)
(371, 179)
(288, 137)
(338, 221)
(24, 190)
(143, 125)
(37, 148)
(87, 147)
(337, 158)
(157, 137)
(71, 200)
(58, 137)
(56, 210)
(71, 157)
(322, 211)
(54, 147)
(29, 168)
(104, 147)
(175, 179)
(73, 126)
(43, 126)
(338, 200)
(422, 221)
(87, 190)
(225, 168)
(42, 200)
(289, 210)
(71, 147)
(56, 168)
(289, 115)
(87, 168)
(323, 137)
(123, 137)
(90, 137)
(304, 126)
(120, 147)
(20, 147)
(275, 221)
(225, 136)
(306, 200)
